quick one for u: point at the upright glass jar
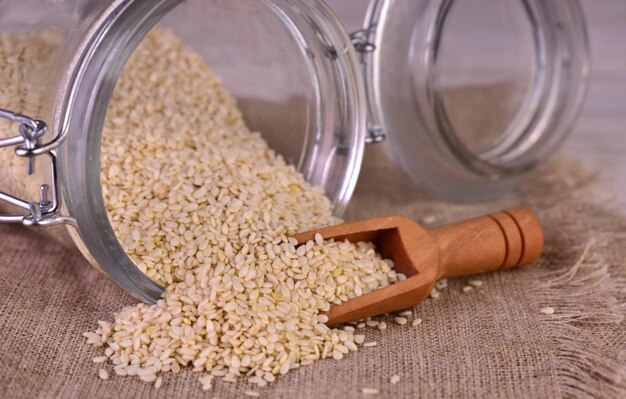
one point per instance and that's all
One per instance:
(341, 91)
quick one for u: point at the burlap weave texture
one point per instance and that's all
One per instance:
(492, 342)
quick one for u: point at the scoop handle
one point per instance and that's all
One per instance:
(502, 240)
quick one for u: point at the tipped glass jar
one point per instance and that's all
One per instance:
(468, 99)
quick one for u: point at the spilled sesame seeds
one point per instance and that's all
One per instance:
(370, 391)
(102, 373)
(428, 219)
(401, 320)
(205, 208)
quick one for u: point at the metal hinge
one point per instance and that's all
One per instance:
(375, 134)
(361, 41)
(364, 45)
(45, 210)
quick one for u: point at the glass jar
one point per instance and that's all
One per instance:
(474, 95)
(390, 80)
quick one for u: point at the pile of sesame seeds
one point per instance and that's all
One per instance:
(204, 207)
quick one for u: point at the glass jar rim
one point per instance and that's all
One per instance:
(424, 142)
(91, 77)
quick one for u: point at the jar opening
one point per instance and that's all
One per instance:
(503, 80)
(473, 97)
(267, 53)
(486, 64)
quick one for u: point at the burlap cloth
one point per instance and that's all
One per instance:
(491, 342)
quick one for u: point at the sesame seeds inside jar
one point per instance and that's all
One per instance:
(204, 207)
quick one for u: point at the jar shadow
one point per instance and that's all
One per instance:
(382, 187)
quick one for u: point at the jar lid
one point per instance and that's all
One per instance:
(472, 97)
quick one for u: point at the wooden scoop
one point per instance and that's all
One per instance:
(494, 242)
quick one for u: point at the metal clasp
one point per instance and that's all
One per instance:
(363, 42)
(45, 210)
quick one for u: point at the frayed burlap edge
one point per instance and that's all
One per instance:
(590, 294)
(584, 295)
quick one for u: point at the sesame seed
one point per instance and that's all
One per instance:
(252, 394)
(369, 344)
(548, 310)
(372, 323)
(475, 283)
(394, 379)
(102, 373)
(370, 391)
(441, 284)
(416, 322)
(319, 240)
(467, 288)
(401, 320)
(428, 219)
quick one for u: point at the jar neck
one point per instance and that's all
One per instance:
(550, 101)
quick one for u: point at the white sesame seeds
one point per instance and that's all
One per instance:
(370, 391)
(369, 344)
(475, 283)
(322, 318)
(416, 322)
(548, 310)
(468, 288)
(252, 394)
(394, 379)
(428, 219)
(206, 381)
(372, 323)
(204, 207)
(401, 320)
(441, 284)
(318, 239)
(102, 373)
(148, 377)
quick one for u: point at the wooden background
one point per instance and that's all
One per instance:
(599, 136)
